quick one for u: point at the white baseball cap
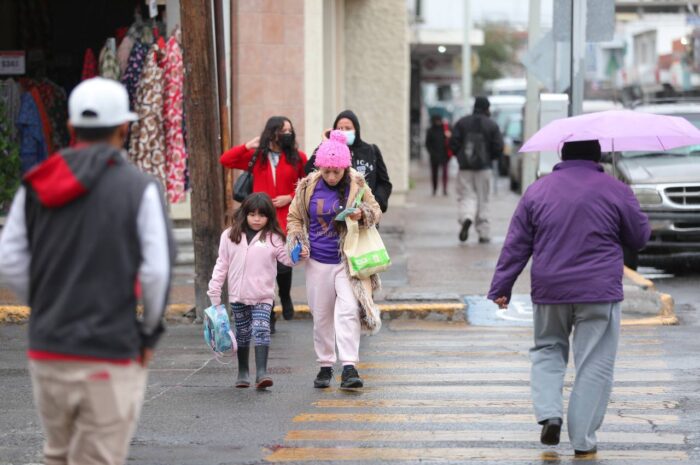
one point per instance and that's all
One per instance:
(99, 103)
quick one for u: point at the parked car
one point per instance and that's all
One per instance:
(667, 185)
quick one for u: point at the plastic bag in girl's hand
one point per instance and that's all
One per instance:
(217, 330)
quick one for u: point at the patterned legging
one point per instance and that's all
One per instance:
(252, 321)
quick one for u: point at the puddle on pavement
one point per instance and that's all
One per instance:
(483, 312)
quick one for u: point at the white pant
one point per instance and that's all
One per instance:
(473, 188)
(336, 313)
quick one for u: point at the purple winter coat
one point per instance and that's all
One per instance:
(573, 223)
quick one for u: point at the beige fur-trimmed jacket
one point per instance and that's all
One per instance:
(298, 221)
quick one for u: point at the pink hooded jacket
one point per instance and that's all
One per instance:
(251, 269)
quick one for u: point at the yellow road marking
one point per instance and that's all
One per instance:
(480, 403)
(491, 342)
(469, 435)
(491, 389)
(637, 419)
(358, 454)
(486, 353)
(496, 363)
(498, 377)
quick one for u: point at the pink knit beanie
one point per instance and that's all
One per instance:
(333, 153)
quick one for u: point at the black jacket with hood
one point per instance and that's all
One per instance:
(479, 121)
(367, 160)
(84, 227)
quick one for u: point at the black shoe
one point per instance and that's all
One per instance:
(584, 453)
(243, 355)
(484, 240)
(350, 378)
(551, 430)
(262, 380)
(464, 232)
(273, 320)
(324, 377)
(287, 308)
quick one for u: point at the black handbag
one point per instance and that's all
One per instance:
(243, 185)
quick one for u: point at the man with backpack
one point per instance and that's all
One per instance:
(477, 142)
(85, 230)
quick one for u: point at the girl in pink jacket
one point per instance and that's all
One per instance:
(248, 254)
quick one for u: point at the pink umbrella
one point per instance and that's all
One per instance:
(616, 130)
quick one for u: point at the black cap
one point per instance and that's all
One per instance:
(581, 150)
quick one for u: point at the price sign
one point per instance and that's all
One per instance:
(153, 8)
(12, 62)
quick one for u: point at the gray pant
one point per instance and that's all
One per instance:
(473, 188)
(596, 335)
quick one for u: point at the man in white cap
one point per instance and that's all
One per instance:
(85, 228)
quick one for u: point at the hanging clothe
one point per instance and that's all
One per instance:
(123, 53)
(109, 66)
(32, 148)
(175, 150)
(89, 65)
(132, 75)
(10, 96)
(147, 144)
(46, 129)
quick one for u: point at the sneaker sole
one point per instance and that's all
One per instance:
(322, 385)
(352, 383)
(265, 383)
(550, 435)
(243, 385)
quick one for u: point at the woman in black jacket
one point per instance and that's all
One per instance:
(436, 144)
(366, 158)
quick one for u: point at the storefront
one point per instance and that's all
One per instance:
(48, 47)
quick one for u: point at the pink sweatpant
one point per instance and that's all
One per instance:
(335, 311)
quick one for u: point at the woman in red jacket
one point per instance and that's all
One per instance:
(278, 167)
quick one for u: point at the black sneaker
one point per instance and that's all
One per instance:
(287, 308)
(323, 378)
(350, 378)
(464, 232)
(551, 430)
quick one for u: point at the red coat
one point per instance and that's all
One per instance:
(286, 174)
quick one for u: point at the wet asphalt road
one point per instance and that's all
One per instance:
(435, 391)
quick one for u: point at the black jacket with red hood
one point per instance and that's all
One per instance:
(83, 228)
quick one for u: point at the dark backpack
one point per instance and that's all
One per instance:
(474, 154)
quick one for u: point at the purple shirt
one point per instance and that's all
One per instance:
(324, 239)
(573, 224)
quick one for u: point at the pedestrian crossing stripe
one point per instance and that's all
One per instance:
(368, 436)
(496, 363)
(641, 419)
(498, 377)
(496, 390)
(459, 454)
(475, 404)
(505, 343)
(369, 354)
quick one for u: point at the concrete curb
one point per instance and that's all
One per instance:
(182, 313)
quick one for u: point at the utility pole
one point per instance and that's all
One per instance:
(467, 55)
(578, 55)
(203, 141)
(532, 99)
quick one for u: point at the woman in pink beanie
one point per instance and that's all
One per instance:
(340, 304)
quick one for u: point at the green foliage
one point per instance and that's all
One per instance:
(497, 53)
(9, 162)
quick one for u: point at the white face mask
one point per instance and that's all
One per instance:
(349, 137)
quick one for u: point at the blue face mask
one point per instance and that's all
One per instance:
(350, 137)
